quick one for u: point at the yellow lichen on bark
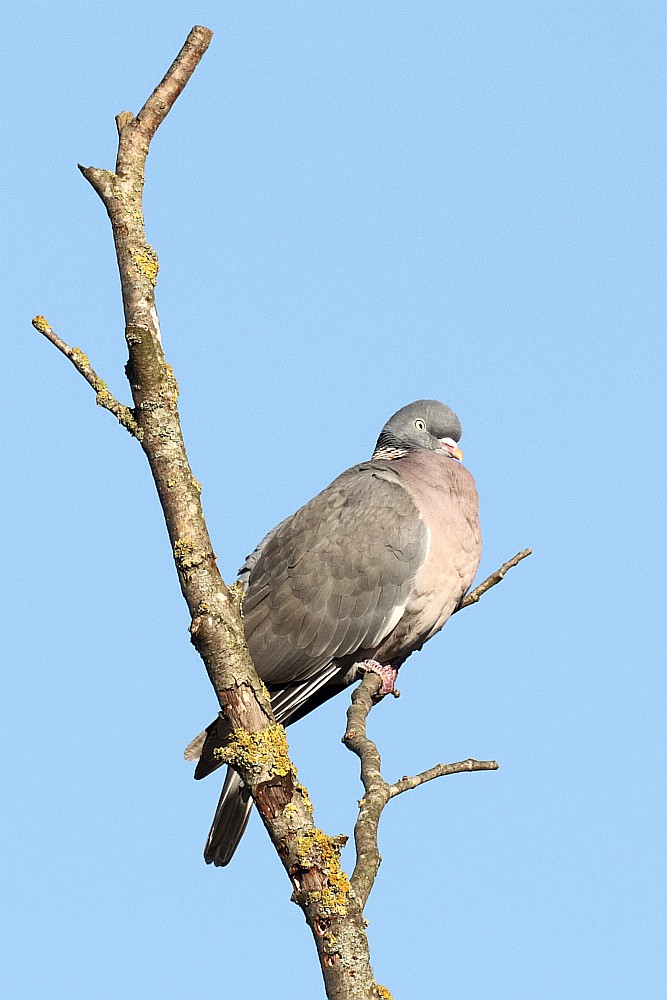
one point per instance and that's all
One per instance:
(236, 591)
(41, 324)
(315, 849)
(171, 391)
(80, 359)
(147, 261)
(184, 553)
(260, 752)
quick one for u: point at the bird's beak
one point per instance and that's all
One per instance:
(451, 448)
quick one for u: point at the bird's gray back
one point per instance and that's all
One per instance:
(336, 576)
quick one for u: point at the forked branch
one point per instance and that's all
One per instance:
(258, 745)
(377, 792)
(332, 905)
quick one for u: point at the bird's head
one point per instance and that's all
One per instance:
(426, 425)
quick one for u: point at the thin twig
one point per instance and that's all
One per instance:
(491, 581)
(80, 361)
(440, 771)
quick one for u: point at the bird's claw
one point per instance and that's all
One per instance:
(387, 672)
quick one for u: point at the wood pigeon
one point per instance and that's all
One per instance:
(366, 572)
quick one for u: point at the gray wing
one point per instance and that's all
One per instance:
(334, 578)
(329, 581)
(251, 560)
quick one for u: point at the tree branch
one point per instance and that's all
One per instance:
(474, 595)
(377, 792)
(104, 398)
(440, 771)
(333, 907)
(258, 747)
(161, 101)
(376, 789)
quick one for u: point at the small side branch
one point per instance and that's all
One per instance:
(376, 789)
(440, 771)
(377, 792)
(474, 595)
(104, 398)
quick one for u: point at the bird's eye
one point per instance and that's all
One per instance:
(420, 425)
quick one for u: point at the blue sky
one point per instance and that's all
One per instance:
(355, 205)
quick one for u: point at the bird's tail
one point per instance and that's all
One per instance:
(231, 816)
(289, 704)
(230, 820)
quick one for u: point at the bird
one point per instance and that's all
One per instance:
(357, 579)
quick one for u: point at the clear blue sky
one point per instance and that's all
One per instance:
(355, 205)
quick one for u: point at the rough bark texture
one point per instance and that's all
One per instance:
(258, 749)
(332, 905)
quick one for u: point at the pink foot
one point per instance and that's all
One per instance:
(388, 675)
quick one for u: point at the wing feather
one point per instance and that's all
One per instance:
(327, 580)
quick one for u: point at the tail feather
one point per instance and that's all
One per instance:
(201, 747)
(230, 820)
(289, 703)
(194, 748)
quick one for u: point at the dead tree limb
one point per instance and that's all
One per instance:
(103, 397)
(491, 581)
(333, 906)
(258, 747)
(378, 792)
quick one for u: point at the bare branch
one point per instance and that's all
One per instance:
(377, 792)
(161, 101)
(376, 789)
(104, 398)
(491, 581)
(440, 771)
(257, 748)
